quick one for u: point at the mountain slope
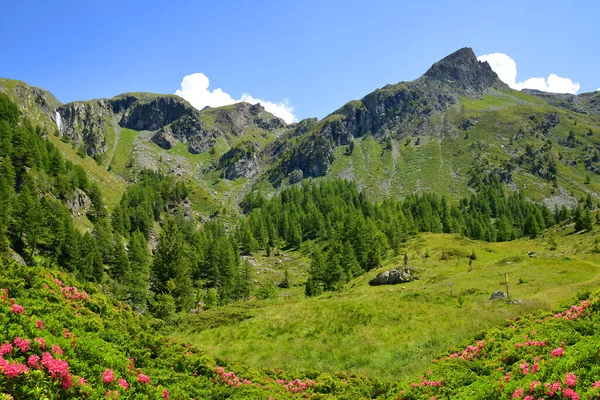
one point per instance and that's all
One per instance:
(409, 137)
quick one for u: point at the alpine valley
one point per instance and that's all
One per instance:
(149, 249)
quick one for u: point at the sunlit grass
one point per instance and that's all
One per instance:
(393, 332)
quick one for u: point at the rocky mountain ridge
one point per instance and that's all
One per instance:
(441, 132)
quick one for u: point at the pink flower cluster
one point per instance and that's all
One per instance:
(571, 379)
(141, 378)
(229, 378)
(72, 293)
(530, 343)
(41, 342)
(108, 376)
(576, 311)
(297, 386)
(470, 352)
(12, 369)
(431, 383)
(22, 344)
(6, 348)
(17, 309)
(123, 383)
(558, 352)
(58, 369)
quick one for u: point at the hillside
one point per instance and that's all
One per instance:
(387, 331)
(409, 137)
(64, 339)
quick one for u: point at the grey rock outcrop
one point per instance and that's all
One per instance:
(79, 203)
(497, 295)
(394, 276)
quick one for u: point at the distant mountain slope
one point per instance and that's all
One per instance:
(440, 132)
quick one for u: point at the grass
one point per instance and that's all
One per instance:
(122, 154)
(393, 332)
(111, 186)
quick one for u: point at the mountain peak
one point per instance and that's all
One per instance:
(461, 70)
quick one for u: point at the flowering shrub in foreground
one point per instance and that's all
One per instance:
(61, 340)
(58, 343)
(553, 357)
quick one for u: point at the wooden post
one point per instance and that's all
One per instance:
(506, 282)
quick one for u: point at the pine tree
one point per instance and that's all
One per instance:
(314, 284)
(136, 278)
(530, 227)
(171, 271)
(246, 238)
(89, 260)
(583, 219)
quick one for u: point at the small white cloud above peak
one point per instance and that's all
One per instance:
(194, 88)
(506, 68)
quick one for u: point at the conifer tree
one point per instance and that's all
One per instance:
(137, 276)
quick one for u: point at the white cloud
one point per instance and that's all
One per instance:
(194, 88)
(506, 68)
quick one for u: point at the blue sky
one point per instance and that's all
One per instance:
(317, 55)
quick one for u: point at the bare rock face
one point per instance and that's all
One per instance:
(462, 71)
(164, 139)
(79, 203)
(90, 122)
(394, 276)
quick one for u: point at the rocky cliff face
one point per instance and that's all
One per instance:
(87, 123)
(401, 110)
(91, 122)
(34, 103)
(462, 72)
(150, 114)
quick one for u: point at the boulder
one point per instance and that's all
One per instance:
(393, 276)
(499, 294)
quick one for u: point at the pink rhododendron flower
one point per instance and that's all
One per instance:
(570, 394)
(533, 385)
(39, 324)
(22, 344)
(596, 385)
(558, 352)
(123, 383)
(108, 376)
(33, 360)
(517, 394)
(14, 369)
(6, 348)
(165, 393)
(535, 368)
(141, 378)
(571, 379)
(56, 349)
(17, 309)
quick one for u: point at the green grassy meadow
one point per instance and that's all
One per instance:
(393, 332)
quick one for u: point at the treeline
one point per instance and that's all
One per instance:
(354, 234)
